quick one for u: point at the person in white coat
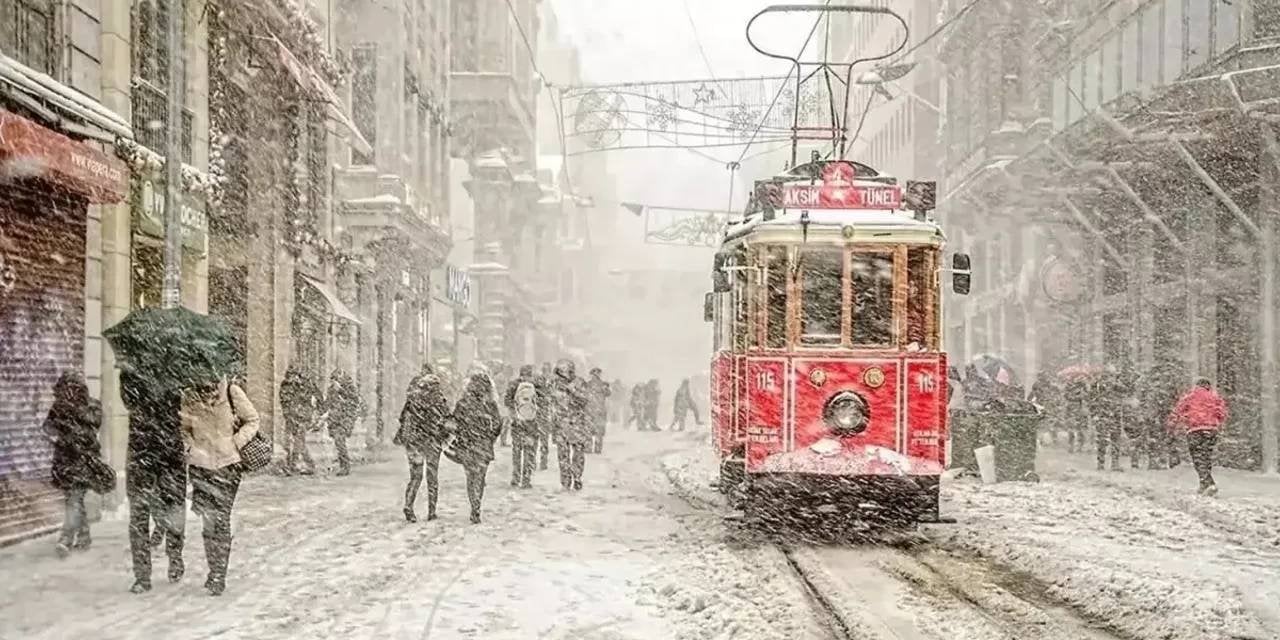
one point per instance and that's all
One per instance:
(217, 421)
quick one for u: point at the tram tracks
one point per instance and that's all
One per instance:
(906, 587)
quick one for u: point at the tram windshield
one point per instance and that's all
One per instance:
(823, 297)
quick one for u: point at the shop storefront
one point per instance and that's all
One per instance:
(147, 204)
(46, 186)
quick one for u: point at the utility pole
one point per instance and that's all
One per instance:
(1269, 376)
(175, 94)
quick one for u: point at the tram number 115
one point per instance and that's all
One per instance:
(765, 381)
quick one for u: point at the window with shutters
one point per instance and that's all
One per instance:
(27, 33)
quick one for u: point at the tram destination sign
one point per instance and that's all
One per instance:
(829, 196)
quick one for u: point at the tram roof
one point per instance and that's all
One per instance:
(863, 226)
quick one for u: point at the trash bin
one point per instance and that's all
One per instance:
(1014, 436)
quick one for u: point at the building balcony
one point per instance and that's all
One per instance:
(492, 110)
(373, 208)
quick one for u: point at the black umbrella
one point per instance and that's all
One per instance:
(175, 347)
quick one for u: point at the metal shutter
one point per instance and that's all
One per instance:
(42, 244)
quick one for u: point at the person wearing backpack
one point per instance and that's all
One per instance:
(522, 402)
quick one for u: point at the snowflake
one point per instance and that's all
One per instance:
(743, 120)
(662, 113)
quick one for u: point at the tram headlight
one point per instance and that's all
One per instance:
(846, 413)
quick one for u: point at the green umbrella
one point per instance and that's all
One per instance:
(175, 347)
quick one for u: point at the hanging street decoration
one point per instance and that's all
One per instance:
(682, 226)
(690, 113)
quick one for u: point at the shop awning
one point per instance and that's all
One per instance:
(336, 306)
(28, 149)
(309, 80)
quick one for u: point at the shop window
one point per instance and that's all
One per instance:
(776, 298)
(364, 105)
(27, 32)
(1174, 33)
(1110, 69)
(1129, 53)
(1152, 47)
(872, 281)
(149, 96)
(148, 275)
(821, 276)
(1199, 27)
(1060, 99)
(1226, 24)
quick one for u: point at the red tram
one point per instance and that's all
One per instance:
(829, 377)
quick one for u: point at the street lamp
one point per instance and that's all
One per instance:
(880, 77)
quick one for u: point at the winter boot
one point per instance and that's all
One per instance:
(475, 517)
(62, 549)
(409, 515)
(177, 569)
(140, 586)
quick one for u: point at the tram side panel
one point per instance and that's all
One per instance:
(926, 414)
(722, 406)
(765, 394)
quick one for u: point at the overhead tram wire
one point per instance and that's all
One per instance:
(697, 40)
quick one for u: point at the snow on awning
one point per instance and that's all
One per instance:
(63, 98)
(308, 79)
(339, 309)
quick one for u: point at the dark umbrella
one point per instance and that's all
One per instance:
(995, 369)
(175, 347)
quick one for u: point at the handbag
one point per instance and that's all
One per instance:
(256, 454)
(102, 478)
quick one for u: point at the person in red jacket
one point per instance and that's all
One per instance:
(1201, 412)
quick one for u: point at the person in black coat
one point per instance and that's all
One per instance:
(478, 427)
(597, 409)
(423, 433)
(544, 416)
(299, 400)
(572, 425)
(522, 400)
(344, 408)
(73, 422)
(155, 473)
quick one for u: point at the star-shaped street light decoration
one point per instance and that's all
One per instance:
(703, 94)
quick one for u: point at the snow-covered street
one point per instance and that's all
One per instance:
(1079, 555)
(333, 557)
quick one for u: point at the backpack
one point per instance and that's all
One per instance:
(526, 400)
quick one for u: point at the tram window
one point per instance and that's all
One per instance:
(822, 292)
(872, 299)
(776, 298)
(740, 310)
(922, 298)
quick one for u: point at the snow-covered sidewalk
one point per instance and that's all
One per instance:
(1142, 567)
(319, 557)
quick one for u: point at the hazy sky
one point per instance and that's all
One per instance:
(629, 41)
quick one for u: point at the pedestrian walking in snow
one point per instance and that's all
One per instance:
(478, 426)
(1047, 398)
(155, 474)
(1109, 394)
(501, 378)
(572, 427)
(73, 422)
(1160, 392)
(299, 399)
(635, 407)
(1132, 427)
(1077, 410)
(545, 420)
(617, 402)
(218, 420)
(423, 432)
(344, 408)
(1201, 413)
(682, 404)
(521, 400)
(597, 409)
(652, 399)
